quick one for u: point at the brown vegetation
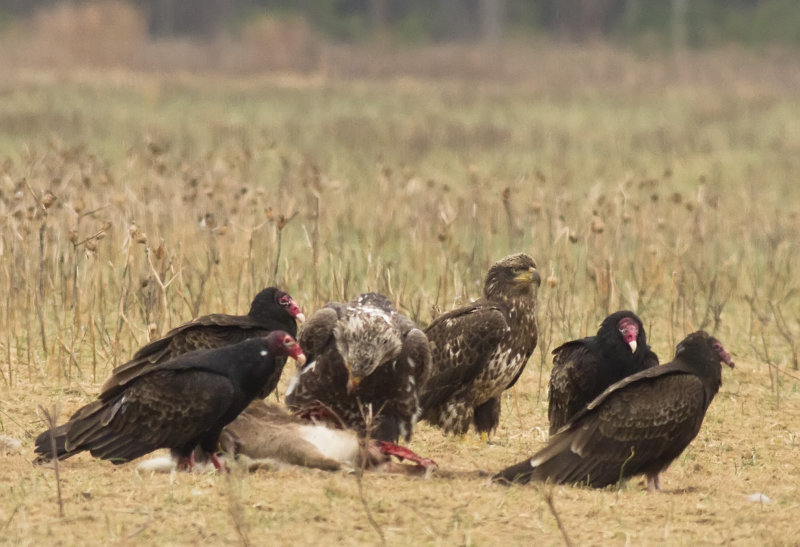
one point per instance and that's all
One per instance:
(130, 203)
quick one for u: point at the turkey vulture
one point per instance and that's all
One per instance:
(583, 368)
(480, 350)
(272, 309)
(638, 425)
(181, 404)
(366, 362)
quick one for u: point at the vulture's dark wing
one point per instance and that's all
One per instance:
(209, 331)
(576, 365)
(186, 337)
(642, 423)
(168, 408)
(461, 342)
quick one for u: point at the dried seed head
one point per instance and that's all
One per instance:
(140, 237)
(573, 237)
(552, 281)
(91, 245)
(48, 199)
(73, 236)
(597, 225)
(78, 205)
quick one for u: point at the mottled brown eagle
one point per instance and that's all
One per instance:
(182, 404)
(479, 350)
(638, 425)
(583, 368)
(366, 362)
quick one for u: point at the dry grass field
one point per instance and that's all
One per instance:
(130, 203)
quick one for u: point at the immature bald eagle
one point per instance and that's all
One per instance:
(583, 368)
(638, 425)
(365, 363)
(182, 404)
(479, 350)
(271, 309)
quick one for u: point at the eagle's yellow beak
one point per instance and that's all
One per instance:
(352, 381)
(531, 275)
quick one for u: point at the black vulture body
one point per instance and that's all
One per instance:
(271, 310)
(583, 369)
(638, 425)
(182, 404)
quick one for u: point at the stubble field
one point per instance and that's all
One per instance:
(130, 203)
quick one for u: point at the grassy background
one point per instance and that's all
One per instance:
(132, 202)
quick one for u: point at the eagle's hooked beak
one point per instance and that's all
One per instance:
(352, 381)
(531, 275)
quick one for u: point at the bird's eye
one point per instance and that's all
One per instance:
(284, 300)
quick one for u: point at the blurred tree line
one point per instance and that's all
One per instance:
(693, 23)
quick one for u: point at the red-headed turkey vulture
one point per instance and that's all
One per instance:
(183, 403)
(583, 368)
(638, 425)
(366, 362)
(479, 350)
(272, 309)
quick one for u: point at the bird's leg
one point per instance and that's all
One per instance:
(215, 460)
(484, 437)
(392, 449)
(653, 483)
(186, 463)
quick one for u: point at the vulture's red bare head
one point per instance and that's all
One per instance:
(287, 302)
(724, 356)
(282, 343)
(629, 330)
